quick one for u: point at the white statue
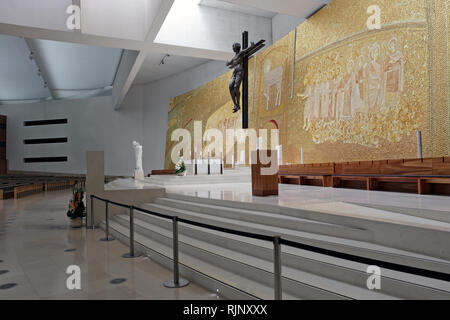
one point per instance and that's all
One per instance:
(138, 171)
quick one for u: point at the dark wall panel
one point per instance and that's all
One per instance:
(44, 122)
(45, 159)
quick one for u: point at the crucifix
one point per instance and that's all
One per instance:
(240, 75)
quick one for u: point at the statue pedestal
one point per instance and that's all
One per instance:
(264, 182)
(139, 175)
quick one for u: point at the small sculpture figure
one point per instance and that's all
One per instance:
(138, 171)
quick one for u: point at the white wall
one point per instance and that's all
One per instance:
(93, 124)
(282, 24)
(157, 97)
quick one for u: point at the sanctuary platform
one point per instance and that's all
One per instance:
(404, 229)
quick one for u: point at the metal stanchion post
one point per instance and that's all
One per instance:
(277, 268)
(195, 163)
(108, 237)
(131, 254)
(177, 282)
(209, 165)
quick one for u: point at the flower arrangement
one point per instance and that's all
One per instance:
(180, 167)
(76, 205)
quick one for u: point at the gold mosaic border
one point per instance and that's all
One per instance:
(439, 77)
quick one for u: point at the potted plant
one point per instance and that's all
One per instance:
(76, 210)
(180, 168)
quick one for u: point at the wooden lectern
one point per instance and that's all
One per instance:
(264, 185)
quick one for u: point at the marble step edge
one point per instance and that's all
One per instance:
(363, 249)
(244, 276)
(204, 271)
(326, 217)
(323, 265)
(225, 211)
(437, 215)
(290, 270)
(347, 245)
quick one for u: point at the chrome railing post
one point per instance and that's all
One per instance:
(277, 268)
(131, 254)
(108, 237)
(177, 282)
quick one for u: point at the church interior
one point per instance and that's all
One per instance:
(224, 150)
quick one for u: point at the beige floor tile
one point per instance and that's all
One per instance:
(32, 249)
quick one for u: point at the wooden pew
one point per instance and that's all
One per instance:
(429, 175)
(307, 174)
(422, 176)
(59, 185)
(21, 191)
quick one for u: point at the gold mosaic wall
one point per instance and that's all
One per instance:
(357, 94)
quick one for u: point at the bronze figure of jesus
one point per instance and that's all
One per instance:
(239, 74)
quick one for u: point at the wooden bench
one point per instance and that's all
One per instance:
(305, 179)
(374, 182)
(307, 174)
(21, 185)
(434, 185)
(423, 176)
(26, 190)
(58, 185)
(416, 184)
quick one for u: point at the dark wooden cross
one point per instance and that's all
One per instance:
(240, 63)
(253, 49)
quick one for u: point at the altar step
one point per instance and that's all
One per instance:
(243, 265)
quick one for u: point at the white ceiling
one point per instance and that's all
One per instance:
(68, 70)
(91, 61)
(237, 8)
(19, 78)
(299, 8)
(71, 66)
(153, 70)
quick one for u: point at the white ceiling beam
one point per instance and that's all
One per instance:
(120, 90)
(189, 52)
(300, 8)
(68, 36)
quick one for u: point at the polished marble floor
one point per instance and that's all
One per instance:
(34, 237)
